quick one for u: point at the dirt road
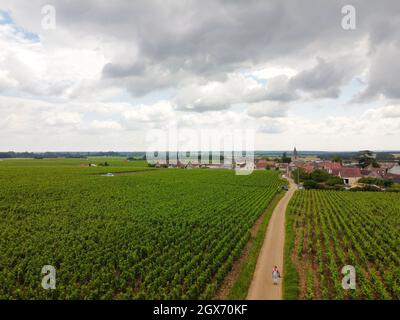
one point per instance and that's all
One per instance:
(271, 254)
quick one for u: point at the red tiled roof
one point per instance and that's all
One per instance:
(308, 168)
(331, 165)
(347, 172)
(387, 165)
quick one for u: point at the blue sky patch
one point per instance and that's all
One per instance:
(7, 19)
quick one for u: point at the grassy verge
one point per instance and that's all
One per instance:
(242, 282)
(290, 275)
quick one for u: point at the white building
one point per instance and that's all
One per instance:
(395, 170)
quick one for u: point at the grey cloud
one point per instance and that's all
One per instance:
(116, 70)
(326, 78)
(210, 38)
(180, 40)
(277, 89)
(383, 78)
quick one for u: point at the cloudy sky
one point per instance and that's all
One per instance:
(114, 75)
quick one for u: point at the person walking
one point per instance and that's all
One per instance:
(275, 275)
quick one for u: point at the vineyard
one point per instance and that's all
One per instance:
(155, 234)
(327, 230)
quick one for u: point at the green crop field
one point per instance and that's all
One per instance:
(327, 230)
(156, 233)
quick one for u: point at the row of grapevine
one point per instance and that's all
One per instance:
(337, 228)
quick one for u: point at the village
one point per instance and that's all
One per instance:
(351, 172)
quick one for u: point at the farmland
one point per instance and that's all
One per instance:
(156, 234)
(327, 230)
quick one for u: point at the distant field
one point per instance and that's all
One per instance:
(327, 230)
(170, 233)
(310, 158)
(115, 162)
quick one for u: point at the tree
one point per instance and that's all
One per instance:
(285, 158)
(377, 181)
(320, 176)
(310, 184)
(318, 179)
(337, 159)
(334, 181)
(384, 156)
(388, 183)
(366, 158)
(299, 175)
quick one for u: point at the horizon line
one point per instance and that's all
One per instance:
(174, 151)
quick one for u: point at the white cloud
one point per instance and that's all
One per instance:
(158, 112)
(237, 89)
(32, 68)
(267, 109)
(104, 125)
(214, 95)
(391, 112)
(62, 118)
(274, 71)
(6, 82)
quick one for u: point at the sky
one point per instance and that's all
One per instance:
(190, 75)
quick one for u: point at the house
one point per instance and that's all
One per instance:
(308, 167)
(374, 172)
(395, 170)
(388, 165)
(298, 163)
(329, 165)
(283, 167)
(369, 173)
(214, 165)
(350, 176)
